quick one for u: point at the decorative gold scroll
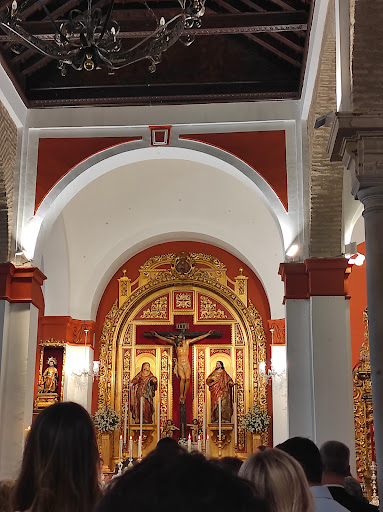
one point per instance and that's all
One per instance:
(363, 412)
(240, 380)
(165, 389)
(201, 386)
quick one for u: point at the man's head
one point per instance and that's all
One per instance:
(307, 454)
(336, 459)
(219, 365)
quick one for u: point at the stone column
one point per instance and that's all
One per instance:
(358, 140)
(319, 368)
(20, 300)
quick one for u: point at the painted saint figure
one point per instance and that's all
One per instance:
(50, 377)
(183, 369)
(221, 386)
(144, 384)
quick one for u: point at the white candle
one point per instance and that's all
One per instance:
(207, 446)
(125, 422)
(130, 447)
(220, 417)
(189, 443)
(120, 449)
(235, 417)
(158, 422)
(199, 444)
(204, 424)
(141, 414)
(139, 447)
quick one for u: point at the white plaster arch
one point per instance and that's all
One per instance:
(107, 160)
(176, 168)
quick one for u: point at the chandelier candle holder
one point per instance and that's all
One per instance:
(92, 39)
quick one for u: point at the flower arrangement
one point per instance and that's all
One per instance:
(106, 419)
(257, 420)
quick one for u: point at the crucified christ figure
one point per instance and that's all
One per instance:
(183, 369)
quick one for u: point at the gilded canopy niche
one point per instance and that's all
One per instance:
(184, 289)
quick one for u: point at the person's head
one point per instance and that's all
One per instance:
(60, 466)
(167, 445)
(219, 365)
(145, 367)
(352, 487)
(101, 463)
(335, 458)
(195, 421)
(279, 480)
(186, 482)
(169, 422)
(230, 464)
(5, 495)
(307, 454)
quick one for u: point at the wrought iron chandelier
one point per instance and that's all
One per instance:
(90, 40)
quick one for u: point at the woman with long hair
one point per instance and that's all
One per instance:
(279, 480)
(59, 471)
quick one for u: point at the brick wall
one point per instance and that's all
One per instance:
(325, 177)
(366, 55)
(8, 142)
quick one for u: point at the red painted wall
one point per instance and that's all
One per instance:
(357, 288)
(264, 151)
(57, 157)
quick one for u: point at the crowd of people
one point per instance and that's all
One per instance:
(60, 472)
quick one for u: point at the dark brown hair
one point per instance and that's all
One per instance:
(59, 471)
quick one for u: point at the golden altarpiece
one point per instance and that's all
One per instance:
(364, 419)
(193, 290)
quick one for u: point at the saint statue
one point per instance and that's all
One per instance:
(144, 384)
(182, 369)
(50, 377)
(195, 428)
(221, 386)
(169, 429)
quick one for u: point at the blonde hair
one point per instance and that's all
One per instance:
(279, 480)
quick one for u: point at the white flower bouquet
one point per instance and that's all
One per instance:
(257, 420)
(106, 419)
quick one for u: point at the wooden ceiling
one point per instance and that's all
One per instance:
(245, 50)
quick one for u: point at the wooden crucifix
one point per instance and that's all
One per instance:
(181, 339)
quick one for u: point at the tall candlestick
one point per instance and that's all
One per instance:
(158, 422)
(120, 450)
(125, 422)
(141, 414)
(130, 447)
(140, 447)
(207, 446)
(235, 417)
(220, 417)
(189, 443)
(204, 424)
(199, 444)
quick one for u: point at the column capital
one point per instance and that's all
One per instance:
(21, 284)
(315, 277)
(357, 140)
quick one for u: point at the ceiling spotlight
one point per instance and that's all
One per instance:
(292, 250)
(325, 120)
(357, 259)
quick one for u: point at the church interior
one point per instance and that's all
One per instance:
(227, 189)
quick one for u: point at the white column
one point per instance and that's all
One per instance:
(78, 386)
(279, 388)
(18, 335)
(320, 399)
(332, 371)
(299, 369)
